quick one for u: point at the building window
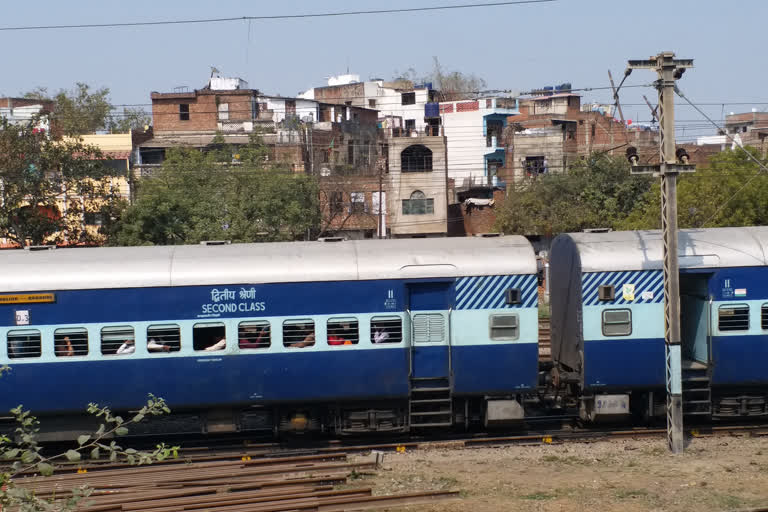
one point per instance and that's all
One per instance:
(617, 322)
(93, 218)
(386, 329)
(343, 331)
(23, 343)
(416, 158)
(183, 111)
(408, 98)
(163, 338)
(535, 165)
(223, 111)
(357, 202)
(503, 327)
(256, 334)
(733, 317)
(371, 103)
(299, 333)
(418, 204)
(410, 125)
(336, 203)
(209, 336)
(118, 340)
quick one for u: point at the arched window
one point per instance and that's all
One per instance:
(416, 158)
(418, 204)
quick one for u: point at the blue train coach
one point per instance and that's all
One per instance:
(384, 335)
(608, 321)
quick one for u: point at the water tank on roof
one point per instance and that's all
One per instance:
(343, 79)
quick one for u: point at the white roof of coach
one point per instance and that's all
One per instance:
(130, 267)
(697, 248)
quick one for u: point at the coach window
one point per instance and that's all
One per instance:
(617, 322)
(118, 340)
(254, 334)
(764, 317)
(504, 327)
(343, 331)
(70, 342)
(299, 333)
(386, 329)
(23, 343)
(733, 317)
(163, 338)
(209, 336)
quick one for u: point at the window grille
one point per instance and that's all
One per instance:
(386, 329)
(161, 336)
(428, 328)
(343, 331)
(764, 317)
(256, 334)
(299, 333)
(24, 343)
(118, 340)
(733, 317)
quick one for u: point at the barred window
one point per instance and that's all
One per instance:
(386, 329)
(733, 317)
(343, 331)
(764, 317)
(299, 333)
(617, 322)
(71, 341)
(504, 327)
(163, 338)
(118, 340)
(23, 343)
(256, 334)
(209, 337)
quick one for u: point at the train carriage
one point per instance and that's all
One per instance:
(608, 320)
(345, 337)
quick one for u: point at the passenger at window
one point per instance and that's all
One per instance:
(128, 347)
(64, 347)
(219, 345)
(343, 339)
(380, 336)
(154, 346)
(254, 338)
(308, 341)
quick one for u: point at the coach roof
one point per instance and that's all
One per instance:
(189, 265)
(641, 250)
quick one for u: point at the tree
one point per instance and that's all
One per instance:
(731, 190)
(25, 454)
(130, 119)
(199, 196)
(78, 111)
(47, 185)
(596, 192)
(452, 85)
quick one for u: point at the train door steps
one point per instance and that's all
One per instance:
(431, 404)
(697, 394)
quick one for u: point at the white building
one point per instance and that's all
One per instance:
(473, 130)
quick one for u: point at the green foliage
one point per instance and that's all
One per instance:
(40, 176)
(130, 119)
(452, 85)
(25, 454)
(199, 196)
(594, 193)
(730, 191)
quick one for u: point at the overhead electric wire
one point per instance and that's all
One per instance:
(274, 17)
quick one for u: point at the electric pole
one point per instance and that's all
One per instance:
(673, 162)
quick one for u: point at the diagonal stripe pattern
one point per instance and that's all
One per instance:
(644, 281)
(488, 292)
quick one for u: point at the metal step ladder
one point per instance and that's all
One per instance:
(697, 393)
(431, 402)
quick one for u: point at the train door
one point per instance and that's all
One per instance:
(429, 307)
(694, 316)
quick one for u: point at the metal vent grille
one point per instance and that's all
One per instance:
(428, 328)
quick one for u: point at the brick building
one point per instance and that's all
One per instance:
(751, 128)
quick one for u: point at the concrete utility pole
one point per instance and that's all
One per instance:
(668, 69)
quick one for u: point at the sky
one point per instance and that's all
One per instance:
(517, 47)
